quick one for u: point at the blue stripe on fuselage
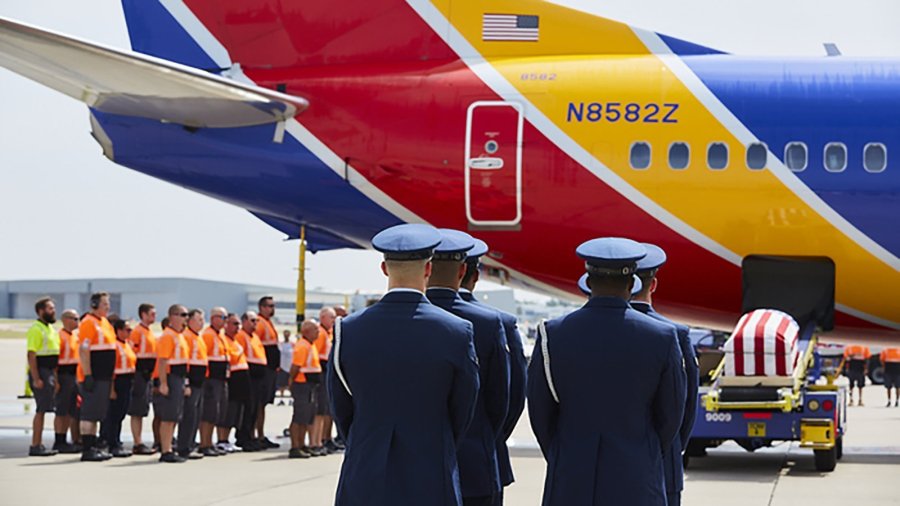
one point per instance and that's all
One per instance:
(818, 101)
(243, 166)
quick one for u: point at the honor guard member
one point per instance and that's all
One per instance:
(268, 335)
(144, 342)
(647, 268)
(215, 396)
(196, 377)
(517, 362)
(96, 367)
(608, 449)
(67, 396)
(126, 360)
(324, 421)
(239, 387)
(404, 381)
(479, 470)
(256, 358)
(171, 366)
(856, 358)
(43, 358)
(304, 378)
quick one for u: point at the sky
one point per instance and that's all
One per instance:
(68, 212)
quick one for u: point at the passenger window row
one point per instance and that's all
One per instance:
(796, 156)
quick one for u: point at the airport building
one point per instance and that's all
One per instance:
(17, 298)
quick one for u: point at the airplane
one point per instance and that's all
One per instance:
(532, 125)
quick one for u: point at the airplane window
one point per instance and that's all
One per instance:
(717, 156)
(679, 155)
(757, 156)
(835, 157)
(640, 155)
(795, 156)
(875, 157)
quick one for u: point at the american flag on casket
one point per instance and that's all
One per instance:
(764, 343)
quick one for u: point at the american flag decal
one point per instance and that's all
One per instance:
(509, 27)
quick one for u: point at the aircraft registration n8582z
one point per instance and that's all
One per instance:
(531, 125)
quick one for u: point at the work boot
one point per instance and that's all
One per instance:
(298, 453)
(120, 452)
(40, 451)
(171, 458)
(92, 455)
(66, 448)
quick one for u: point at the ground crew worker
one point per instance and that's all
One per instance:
(647, 268)
(256, 358)
(324, 421)
(197, 366)
(268, 335)
(304, 378)
(43, 358)
(594, 457)
(215, 396)
(66, 401)
(126, 361)
(403, 382)
(96, 367)
(171, 367)
(517, 363)
(890, 359)
(143, 340)
(239, 385)
(856, 358)
(479, 469)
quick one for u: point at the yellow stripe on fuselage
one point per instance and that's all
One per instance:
(747, 212)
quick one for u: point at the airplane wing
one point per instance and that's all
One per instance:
(133, 84)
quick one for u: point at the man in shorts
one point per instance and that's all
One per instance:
(305, 377)
(168, 401)
(67, 395)
(43, 357)
(890, 358)
(857, 359)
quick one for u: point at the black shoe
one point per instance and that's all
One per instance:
(143, 449)
(105, 454)
(267, 443)
(171, 458)
(331, 447)
(66, 448)
(92, 455)
(209, 452)
(195, 454)
(247, 446)
(120, 452)
(318, 451)
(298, 453)
(40, 451)
(101, 445)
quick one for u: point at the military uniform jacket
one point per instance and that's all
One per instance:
(479, 470)
(620, 383)
(517, 366)
(403, 382)
(672, 456)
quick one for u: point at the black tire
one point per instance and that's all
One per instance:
(826, 460)
(876, 375)
(839, 447)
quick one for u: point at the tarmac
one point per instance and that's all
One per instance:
(780, 476)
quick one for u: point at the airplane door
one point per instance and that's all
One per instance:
(494, 164)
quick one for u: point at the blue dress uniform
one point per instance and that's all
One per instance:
(672, 458)
(403, 383)
(606, 449)
(517, 366)
(479, 469)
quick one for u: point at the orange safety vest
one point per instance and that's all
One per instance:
(216, 345)
(126, 360)
(266, 332)
(857, 352)
(323, 342)
(144, 341)
(173, 347)
(253, 347)
(306, 358)
(890, 355)
(197, 348)
(68, 348)
(236, 357)
(97, 335)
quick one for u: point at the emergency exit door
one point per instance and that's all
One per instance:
(494, 164)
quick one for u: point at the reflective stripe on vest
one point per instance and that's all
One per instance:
(142, 349)
(67, 353)
(122, 364)
(337, 356)
(266, 339)
(179, 358)
(545, 351)
(308, 366)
